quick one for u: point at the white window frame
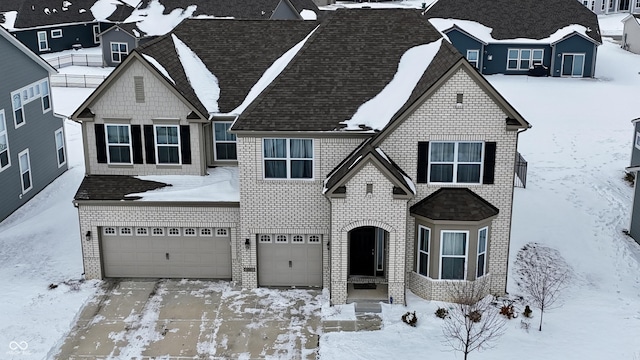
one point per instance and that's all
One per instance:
(60, 146)
(278, 239)
(288, 159)
(475, 63)
(638, 136)
(420, 251)
(455, 162)
(190, 232)
(637, 4)
(130, 145)
(584, 62)
(174, 230)
(124, 229)
(226, 141)
(314, 239)
(4, 134)
(18, 96)
(23, 171)
(157, 146)
(297, 239)
(45, 88)
(483, 253)
(56, 33)
(120, 53)
(142, 231)
(42, 40)
(206, 232)
(533, 60)
(466, 253)
(222, 232)
(109, 230)
(96, 31)
(160, 233)
(265, 238)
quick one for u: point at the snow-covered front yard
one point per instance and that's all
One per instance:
(576, 201)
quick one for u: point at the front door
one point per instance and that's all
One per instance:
(572, 65)
(623, 5)
(362, 249)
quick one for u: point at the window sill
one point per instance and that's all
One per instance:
(120, 166)
(169, 166)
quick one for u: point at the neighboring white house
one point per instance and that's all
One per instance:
(361, 150)
(631, 34)
(612, 6)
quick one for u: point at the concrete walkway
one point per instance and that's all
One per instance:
(201, 319)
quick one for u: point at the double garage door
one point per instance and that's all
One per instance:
(166, 252)
(289, 260)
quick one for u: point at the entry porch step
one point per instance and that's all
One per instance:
(367, 306)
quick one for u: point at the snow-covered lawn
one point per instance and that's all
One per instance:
(575, 201)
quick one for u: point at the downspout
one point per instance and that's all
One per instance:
(553, 59)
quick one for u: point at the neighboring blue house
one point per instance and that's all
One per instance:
(32, 144)
(46, 26)
(556, 37)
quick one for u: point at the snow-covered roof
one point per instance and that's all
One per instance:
(484, 33)
(220, 185)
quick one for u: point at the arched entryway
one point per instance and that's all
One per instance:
(367, 252)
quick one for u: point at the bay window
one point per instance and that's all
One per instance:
(424, 237)
(482, 252)
(453, 255)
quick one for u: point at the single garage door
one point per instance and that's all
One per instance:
(166, 252)
(289, 260)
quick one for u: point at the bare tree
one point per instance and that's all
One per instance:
(542, 274)
(473, 322)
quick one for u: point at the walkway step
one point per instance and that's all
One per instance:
(368, 307)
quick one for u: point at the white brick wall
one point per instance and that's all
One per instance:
(119, 102)
(479, 118)
(94, 216)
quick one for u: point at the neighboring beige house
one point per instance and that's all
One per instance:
(332, 158)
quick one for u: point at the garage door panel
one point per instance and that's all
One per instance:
(289, 264)
(146, 256)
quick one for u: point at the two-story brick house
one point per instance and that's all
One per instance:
(32, 142)
(363, 149)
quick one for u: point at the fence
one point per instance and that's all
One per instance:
(82, 81)
(521, 172)
(76, 59)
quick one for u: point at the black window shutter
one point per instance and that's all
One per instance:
(101, 144)
(489, 162)
(185, 144)
(423, 162)
(136, 134)
(149, 144)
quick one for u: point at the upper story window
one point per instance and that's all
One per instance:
(46, 101)
(118, 144)
(25, 171)
(637, 5)
(453, 255)
(167, 144)
(225, 142)
(523, 59)
(455, 162)
(18, 113)
(288, 158)
(96, 31)
(5, 160)
(57, 33)
(473, 57)
(43, 42)
(60, 152)
(119, 51)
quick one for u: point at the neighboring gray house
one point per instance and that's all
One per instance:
(612, 6)
(631, 34)
(552, 37)
(32, 143)
(634, 227)
(332, 187)
(118, 41)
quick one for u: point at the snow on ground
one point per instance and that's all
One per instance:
(97, 50)
(86, 70)
(611, 25)
(577, 202)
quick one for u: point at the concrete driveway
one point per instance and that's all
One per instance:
(195, 319)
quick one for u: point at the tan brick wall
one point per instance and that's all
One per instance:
(94, 216)
(479, 118)
(119, 102)
(285, 206)
(377, 209)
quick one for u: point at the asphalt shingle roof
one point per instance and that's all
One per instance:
(456, 204)
(114, 187)
(352, 56)
(519, 19)
(239, 9)
(237, 52)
